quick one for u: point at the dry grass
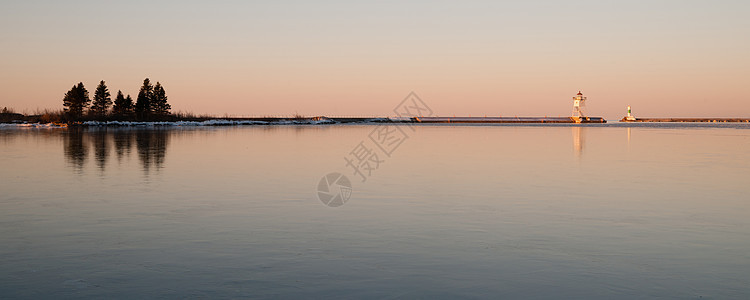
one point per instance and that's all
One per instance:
(189, 115)
(7, 110)
(50, 116)
(10, 115)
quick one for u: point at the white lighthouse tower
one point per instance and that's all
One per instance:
(629, 117)
(578, 104)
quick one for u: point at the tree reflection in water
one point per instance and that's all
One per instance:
(101, 147)
(123, 143)
(75, 149)
(150, 144)
(152, 147)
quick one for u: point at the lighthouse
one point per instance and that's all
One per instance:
(629, 117)
(578, 104)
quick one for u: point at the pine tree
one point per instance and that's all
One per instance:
(143, 102)
(130, 105)
(159, 103)
(75, 101)
(102, 100)
(123, 106)
(117, 108)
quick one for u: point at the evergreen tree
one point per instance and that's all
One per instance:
(159, 105)
(143, 102)
(102, 100)
(117, 108)
(130, 104)
(76, 100)
(123, 106)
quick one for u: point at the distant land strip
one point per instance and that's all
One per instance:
(301, 120)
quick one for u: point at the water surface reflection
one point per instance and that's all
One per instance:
(150, 145)
(519, 212)
(579, 136)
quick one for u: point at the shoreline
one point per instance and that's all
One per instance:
(320, 120)
(272, 121)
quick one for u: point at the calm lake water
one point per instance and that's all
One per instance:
(615, 211)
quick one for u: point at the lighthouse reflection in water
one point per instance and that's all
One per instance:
(578, 140)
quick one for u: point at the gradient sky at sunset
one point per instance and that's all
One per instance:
(665, 58)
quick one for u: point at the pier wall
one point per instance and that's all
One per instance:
(696, 120)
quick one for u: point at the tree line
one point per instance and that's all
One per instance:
(151, 103)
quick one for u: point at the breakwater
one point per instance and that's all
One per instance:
(695, 120)
(509, 120)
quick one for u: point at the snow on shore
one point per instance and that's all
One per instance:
(176, 123)
(216, 122)
(32, 125)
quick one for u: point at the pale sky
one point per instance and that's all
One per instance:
(253, 58)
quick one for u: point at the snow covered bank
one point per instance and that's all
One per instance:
(32, 125)
(176, 123)
(215, 122)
